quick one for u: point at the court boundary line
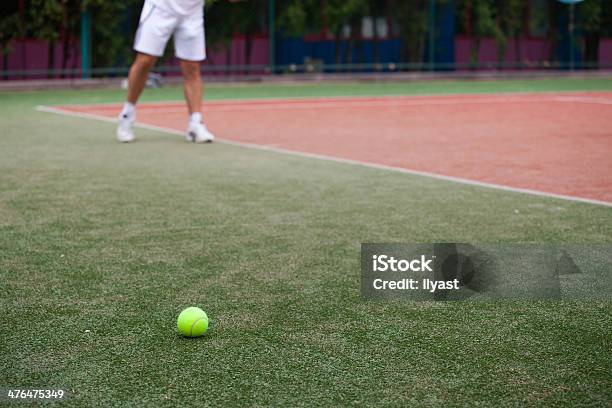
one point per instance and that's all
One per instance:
(279, 150)
(363, 103)
(586, 97)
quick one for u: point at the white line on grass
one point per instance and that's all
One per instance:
(50, 109)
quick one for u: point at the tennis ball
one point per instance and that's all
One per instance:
(192, 322)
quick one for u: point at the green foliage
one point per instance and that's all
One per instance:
(510, 22)
(247, 17)
(112, 42)
(293, 18)
(114, 22)
(511, 13)
(501, 20)
(340, 12)
(485, 22)
(219, 14)
(227, 18)
(44, 18)
(412, 21)
(590, 16)
(9, 29)
(606, 19)
(298, 17)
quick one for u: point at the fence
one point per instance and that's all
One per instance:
(265, 37)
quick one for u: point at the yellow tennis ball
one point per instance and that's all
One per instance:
(192, 322)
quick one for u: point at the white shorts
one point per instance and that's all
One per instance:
(157, 25)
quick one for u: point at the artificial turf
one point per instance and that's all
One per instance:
(116, 239)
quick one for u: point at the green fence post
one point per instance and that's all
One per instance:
(85, 44)
(272, 35)
(432, 34)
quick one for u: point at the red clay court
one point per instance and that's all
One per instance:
(556, 143)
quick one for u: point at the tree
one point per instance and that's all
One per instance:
(341, 13)
(71, 14)
(10, 28)
(589, 19)
(297, 17)
(112, 32)
(511, 18)
(482, 18)
(247, 17)
(378, 9)
(412, 19)
(45, 17)
(251, 19)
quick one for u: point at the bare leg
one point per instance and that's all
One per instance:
(137, 80)
(197, 131)
(139, 73)
(192, 85)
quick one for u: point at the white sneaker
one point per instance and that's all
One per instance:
(125, 133)
(199, 133)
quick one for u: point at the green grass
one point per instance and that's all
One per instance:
(117, 239)
(319, 89)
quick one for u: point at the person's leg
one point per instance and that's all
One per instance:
(137, 80)
(139, 72)
(192, 85)
(155, 28)
(190, 49)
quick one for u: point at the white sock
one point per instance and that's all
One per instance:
(195, 117)
(128, 110)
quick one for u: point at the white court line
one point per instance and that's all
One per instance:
(50, 109)
(369, 104)
(546, 96)
(361, 102)
(325, 105)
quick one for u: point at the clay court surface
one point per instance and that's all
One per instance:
(557, 143)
